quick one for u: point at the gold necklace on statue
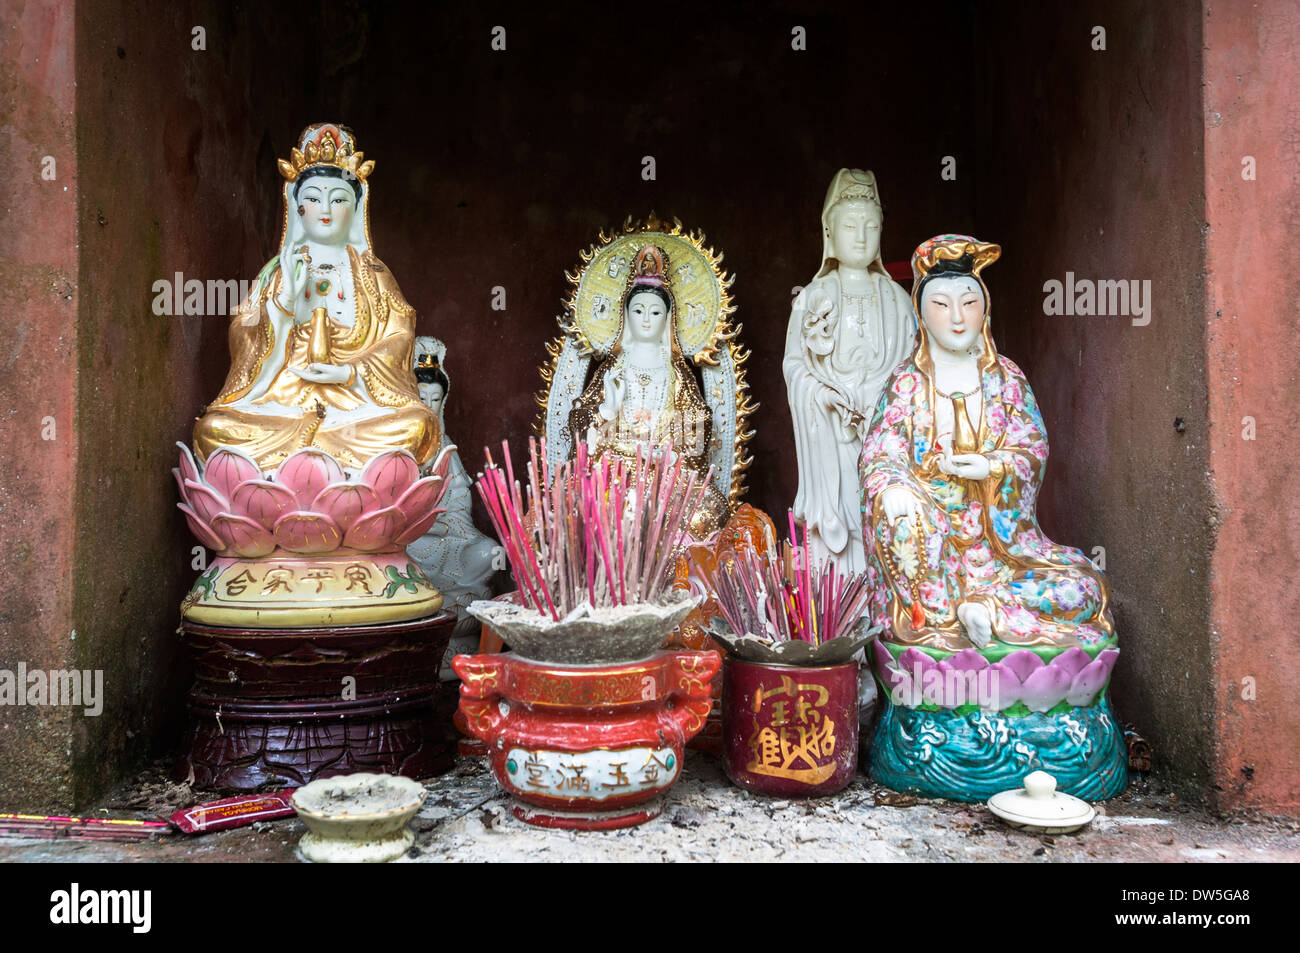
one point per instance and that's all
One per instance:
(321, 278)
(644, 377)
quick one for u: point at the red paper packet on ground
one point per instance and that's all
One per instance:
(234, 812)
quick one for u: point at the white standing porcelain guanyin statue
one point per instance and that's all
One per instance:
(849, 328)
(306, 473)
(998, 643)
(456, 557)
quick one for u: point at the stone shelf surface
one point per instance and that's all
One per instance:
(466, 818)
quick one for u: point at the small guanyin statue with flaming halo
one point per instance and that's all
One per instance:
(648, 358)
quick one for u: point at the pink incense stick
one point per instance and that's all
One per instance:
(574, 532)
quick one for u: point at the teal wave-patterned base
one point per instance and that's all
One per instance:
(972, 756)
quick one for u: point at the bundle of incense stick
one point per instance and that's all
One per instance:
(88, 828)
(783, 598)
(597, 532)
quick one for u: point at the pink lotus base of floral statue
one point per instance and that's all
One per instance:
(308, 544)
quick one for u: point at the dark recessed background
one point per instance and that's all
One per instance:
(496, 168)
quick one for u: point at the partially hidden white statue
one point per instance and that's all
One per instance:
(849, 328)
(456, 557)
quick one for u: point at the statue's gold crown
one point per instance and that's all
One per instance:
(650, 267)
(325, 143)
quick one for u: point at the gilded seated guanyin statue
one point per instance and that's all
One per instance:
(315, 465)
(998, 643)
(321, 351)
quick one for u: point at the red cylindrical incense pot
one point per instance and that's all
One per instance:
(789, 730)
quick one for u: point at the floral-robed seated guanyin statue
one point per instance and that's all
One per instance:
(998, 643)
(306, 472)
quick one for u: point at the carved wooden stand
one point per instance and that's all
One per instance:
(291, 705)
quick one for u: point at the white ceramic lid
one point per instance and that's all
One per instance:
(1039, 804)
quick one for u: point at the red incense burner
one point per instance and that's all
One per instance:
(790, 730)
(586, 747)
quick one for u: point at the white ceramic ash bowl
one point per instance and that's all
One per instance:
(357, 818)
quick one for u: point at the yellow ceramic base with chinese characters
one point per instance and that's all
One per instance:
(287, 589)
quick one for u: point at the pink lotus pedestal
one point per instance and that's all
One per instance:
(309, 544)
(317, 641)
